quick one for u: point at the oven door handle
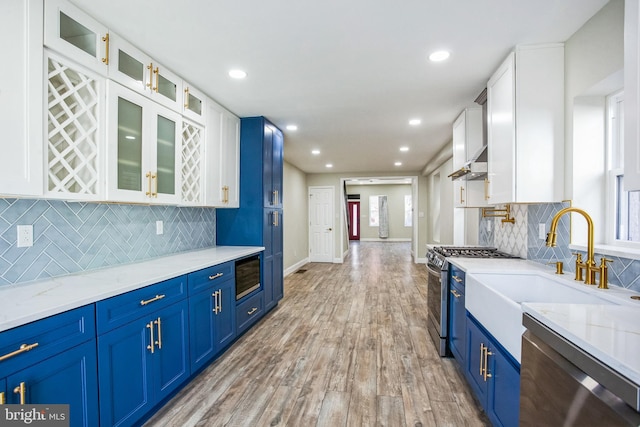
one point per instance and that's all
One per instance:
(431, 270)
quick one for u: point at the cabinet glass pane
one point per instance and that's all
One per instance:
(129, 145)
(195, 104)
(166, 160)
(78, 35)
(166, 87)
(130, 66)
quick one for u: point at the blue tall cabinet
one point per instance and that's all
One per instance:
(259, 220)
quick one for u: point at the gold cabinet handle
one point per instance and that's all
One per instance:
(186, 98)
(486, 188)
(22, 391)
(457, 279)
(157, 73)
(151, 345)
(149, 177)
(461, 197)
(481, 358)
(216, 276)
(105, 39)
(149, 301)
(23, 348)
(455, 294)
(150, 68)
(487, 353)
(219, 300)
(3, 399)
(215, 302)
(159, 340)
(253, 310)
(275, 218)
(155, 179)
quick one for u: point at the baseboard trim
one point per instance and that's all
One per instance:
(377, 239)
(295, 267)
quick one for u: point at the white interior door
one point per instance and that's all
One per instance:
(321, 227)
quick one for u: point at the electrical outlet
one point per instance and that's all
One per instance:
(25, 236)
(159, 227)
(542, 231)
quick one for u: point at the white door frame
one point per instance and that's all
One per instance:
(332, 242)
(414, 202)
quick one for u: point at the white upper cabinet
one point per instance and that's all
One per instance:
(222, 157)
(193, 166)
(21, 99)
(193, 103)
(136, 70)
(75, 140)
(525, 120)
(143, 150)
(467, 141)
(75, 34)
(631, 96)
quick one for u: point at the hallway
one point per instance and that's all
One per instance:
(347, 346)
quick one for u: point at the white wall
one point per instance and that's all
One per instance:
(395, 197)
(440, 215)
(296, 218)
(594, 58)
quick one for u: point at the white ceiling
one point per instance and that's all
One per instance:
(349, 73)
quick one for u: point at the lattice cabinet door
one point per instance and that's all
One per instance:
(192, 163)
(75, 131)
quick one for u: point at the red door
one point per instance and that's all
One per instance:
(354, 220)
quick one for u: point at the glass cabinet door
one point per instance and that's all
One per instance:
(193, 103)
(143, 144)
(70, 31)
(129, 145)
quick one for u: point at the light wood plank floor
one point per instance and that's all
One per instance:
(347, 346)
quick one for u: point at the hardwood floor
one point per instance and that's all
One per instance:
(347, 346)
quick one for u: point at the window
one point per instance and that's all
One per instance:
(408, 211)
(373, 212)
(624, 206)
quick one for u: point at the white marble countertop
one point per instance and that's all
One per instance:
(608, 332)
(22, 303)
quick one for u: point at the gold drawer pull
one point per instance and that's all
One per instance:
(253, 310)
(159, 341)
(22, 391)
(216, 276)
(152, 342)
(149, 301)
(23, 348)
(457, 279)
(455, 294)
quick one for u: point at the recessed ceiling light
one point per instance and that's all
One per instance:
(329, 165)
(404, 149)
(315, 152)
(292, 127)
(415, 122)
(237, 74)
(439, 55)
(398, 163)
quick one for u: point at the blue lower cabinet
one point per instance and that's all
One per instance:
(141, 362)
(457, 317)
(494, 376)
(67, 378)
(249, 311)
(212, 322)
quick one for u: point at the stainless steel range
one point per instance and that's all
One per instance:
(438, 286)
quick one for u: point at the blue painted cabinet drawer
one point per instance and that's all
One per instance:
(122, 309)
(45, 338)
(249, 311)
(211, 276)
(457, 276)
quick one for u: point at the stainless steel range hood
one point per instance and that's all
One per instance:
(475, 168)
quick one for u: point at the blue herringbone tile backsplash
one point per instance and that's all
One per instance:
(71, 237)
